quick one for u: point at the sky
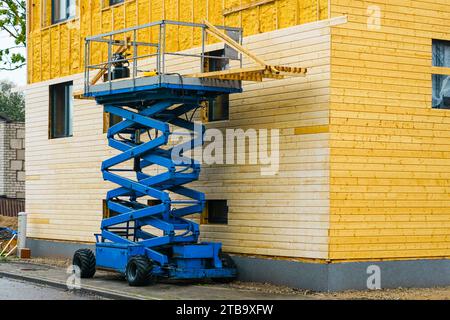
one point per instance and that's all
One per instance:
(18, 76)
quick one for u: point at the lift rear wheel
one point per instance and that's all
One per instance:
(227, 262)
(138, 272)
(85, 260)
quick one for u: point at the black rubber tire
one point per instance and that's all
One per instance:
(227, 262)
(139, 271)
(85, 260)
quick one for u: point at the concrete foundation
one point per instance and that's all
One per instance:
(312, 276)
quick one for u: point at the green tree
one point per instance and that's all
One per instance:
(12, 104)
(13, 22)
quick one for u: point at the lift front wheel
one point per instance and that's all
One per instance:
(85, 260)
(138, 272)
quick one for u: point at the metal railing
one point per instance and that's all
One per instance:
(130, 37)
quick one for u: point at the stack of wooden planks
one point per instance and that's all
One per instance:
(257, 73)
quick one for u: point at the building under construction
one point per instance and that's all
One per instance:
(357, 89)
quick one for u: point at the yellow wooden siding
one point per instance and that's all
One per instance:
(57, 50)
(390, 151)
(283, 215)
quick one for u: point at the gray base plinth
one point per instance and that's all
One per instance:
(346, 276)
(55, 249)
(304, 275)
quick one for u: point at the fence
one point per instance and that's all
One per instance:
(11, 207)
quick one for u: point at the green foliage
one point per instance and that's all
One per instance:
(13, 22)
(12, 104)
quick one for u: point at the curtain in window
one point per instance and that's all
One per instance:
(63, 10)
(441, 91)
(72, 8)
(441, 83)
(441, 53)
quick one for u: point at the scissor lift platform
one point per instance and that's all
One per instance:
(146, 240)
(124, 245)
(156, 85)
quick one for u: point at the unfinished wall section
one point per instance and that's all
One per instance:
(57, 50)
(390, 151)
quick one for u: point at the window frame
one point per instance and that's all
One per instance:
(206, 214)
(116, 3)
(106, 212)
(53, 21)
(106, 4)
(438, 71)
(68, 110)
(208, 112)
(107, 123)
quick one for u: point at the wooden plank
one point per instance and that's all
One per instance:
(222, 36)
(311, 129)
(440, 70)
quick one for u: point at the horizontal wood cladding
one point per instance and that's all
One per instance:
(57, 50)
(390, 151)
(282, 215)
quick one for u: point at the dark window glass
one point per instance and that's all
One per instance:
(63, 10)
(109, 120)
(114, 119)
(218, 109)
(217, 211)
(108, 213)
(113, 2)
(61, 109)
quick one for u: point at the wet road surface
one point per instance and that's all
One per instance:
(11, 289)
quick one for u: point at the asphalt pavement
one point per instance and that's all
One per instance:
(12, 289)
(113, 286)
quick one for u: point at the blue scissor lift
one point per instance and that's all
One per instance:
(152, 107)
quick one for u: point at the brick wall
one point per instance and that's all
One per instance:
(2, 158)
(12, 159)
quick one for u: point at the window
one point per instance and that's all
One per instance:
(61, 109)
(113, 2)
(63, 10)
(441, 53)
(216, 212)
(441, 76)
(217, 109)
(107, 213)
(109, 120)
